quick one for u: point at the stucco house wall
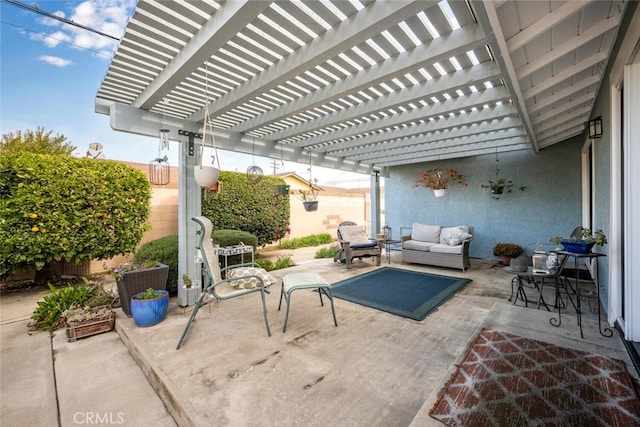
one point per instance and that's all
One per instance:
(550, 205)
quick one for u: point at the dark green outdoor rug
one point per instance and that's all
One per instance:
(401, 292)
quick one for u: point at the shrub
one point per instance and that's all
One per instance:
(254, 208)
(56, 207)
(232, 238)
(281, 262)
(302, 242)
(164, 250)
(326, 252)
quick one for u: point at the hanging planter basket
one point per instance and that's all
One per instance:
(282, 190)
(439, 192)
(206, 176)
(310, 206)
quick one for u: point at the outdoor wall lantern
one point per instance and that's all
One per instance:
(595, 128)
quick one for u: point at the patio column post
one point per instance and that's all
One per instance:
(189, 205)
(376, 227)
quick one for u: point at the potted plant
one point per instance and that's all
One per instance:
(439, 180)
(507, 251)
(133, 278)
(282, 190)
(84, 321)
(308, 197)
(583, 244)
(500, 185)
(149, 307)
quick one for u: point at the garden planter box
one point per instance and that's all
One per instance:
(90, 327)
(135, 281)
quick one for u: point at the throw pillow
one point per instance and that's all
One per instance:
(456, 237)
(243, 282)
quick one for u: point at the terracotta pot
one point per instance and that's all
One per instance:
(506, 260)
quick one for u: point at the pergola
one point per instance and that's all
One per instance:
(358, 86)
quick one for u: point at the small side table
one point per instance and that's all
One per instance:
(294, 281)
(534, 277)
(387, 247)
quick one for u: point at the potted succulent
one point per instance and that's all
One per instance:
(133, 278)
(149, 307)
(583, 244)
(439, 180)
(507, 251)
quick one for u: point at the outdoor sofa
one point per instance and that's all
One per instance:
(441, 246)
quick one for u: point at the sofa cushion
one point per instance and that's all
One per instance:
(454, 236)
(426, 233)
(417, 245)
(356, 236)
(446, 249)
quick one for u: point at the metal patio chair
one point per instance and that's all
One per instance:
(241, 279)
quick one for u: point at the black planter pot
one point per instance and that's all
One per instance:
(135, 281)
(282, 190)
(310, 206)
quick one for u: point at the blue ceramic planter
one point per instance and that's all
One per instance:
(148, 312)
(577, 246)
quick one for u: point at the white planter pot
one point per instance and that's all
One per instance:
(439, 192)
(206, 176)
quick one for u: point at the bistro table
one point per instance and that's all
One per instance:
(573, 282)
(536, 278)
(387, 247)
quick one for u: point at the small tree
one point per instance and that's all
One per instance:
(57, 207)
(35, 142)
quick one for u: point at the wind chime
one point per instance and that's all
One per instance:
(159, 171)
(207, 176)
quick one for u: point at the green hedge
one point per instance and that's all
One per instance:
(254, 208)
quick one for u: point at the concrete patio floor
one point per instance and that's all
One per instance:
(374, 369)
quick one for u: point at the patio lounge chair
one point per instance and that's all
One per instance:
(241, 279)
(354, 243)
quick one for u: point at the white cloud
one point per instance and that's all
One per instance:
(54, 39)
(51, 22)
(106, 16)
(54, 60)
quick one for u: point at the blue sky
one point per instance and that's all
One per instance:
(50, 72)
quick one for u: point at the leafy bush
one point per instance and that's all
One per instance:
(281, 262)
(326, 252)
(56, 207)
(254, 208)
(510, 250)
(234, 237)
(164, 250)
(301, 242)
(48, 313)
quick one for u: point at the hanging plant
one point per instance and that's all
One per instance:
(207, 176)
(500, 185)
(439, 180)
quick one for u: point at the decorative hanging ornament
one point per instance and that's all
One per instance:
(254, 173)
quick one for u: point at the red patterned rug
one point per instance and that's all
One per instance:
(507, 380)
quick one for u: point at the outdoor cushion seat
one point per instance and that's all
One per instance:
(418, 245)
(446, 249)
